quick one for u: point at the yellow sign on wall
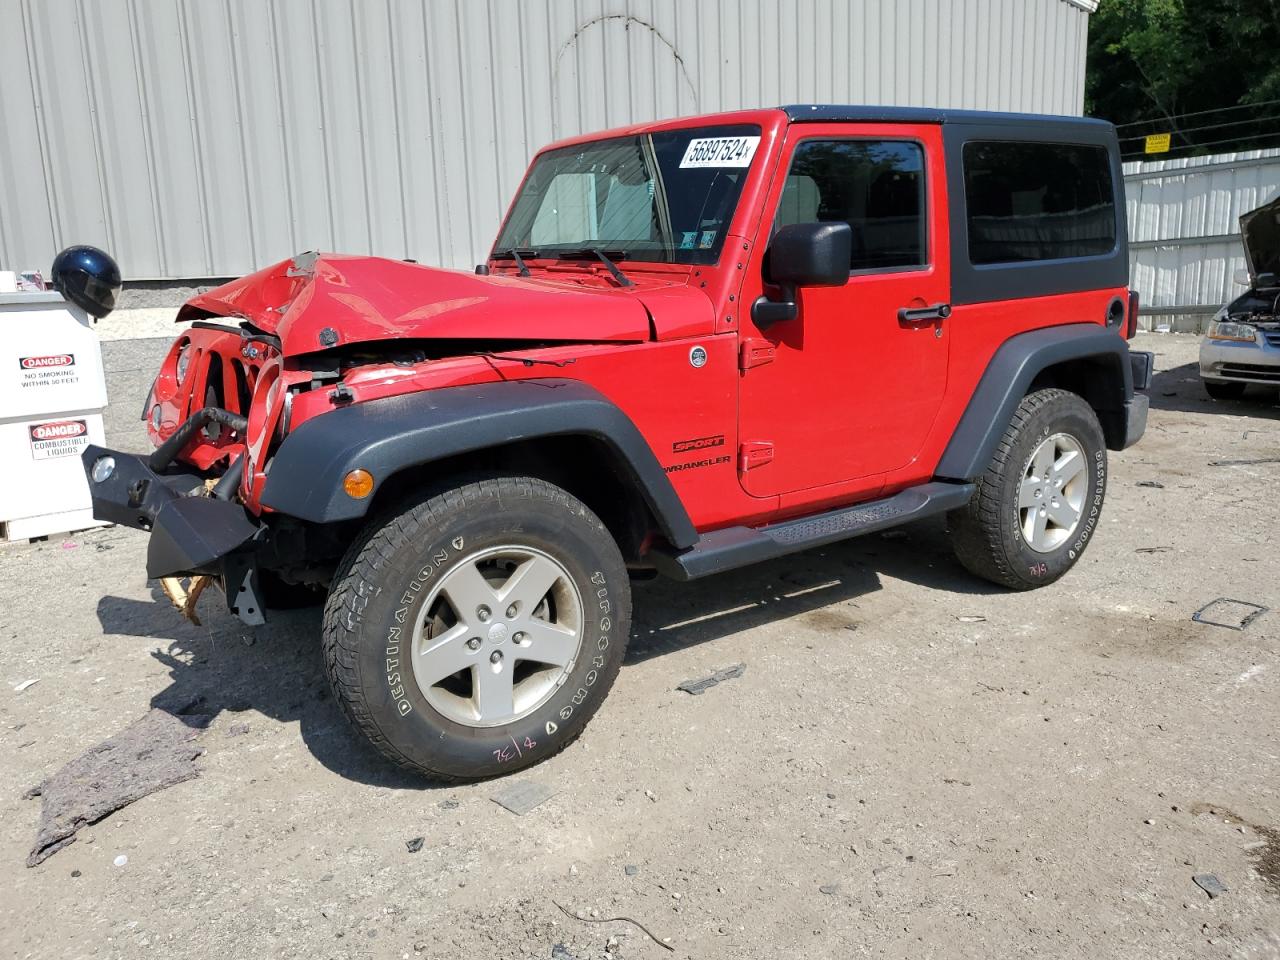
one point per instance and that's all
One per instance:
(1158, 143)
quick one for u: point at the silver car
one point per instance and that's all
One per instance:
(1242, 345)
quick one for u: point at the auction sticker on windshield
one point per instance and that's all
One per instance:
(720, 152)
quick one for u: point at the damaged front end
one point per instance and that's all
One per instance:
(218, 405)
(197, 529)
(265, 353)
(215, 395)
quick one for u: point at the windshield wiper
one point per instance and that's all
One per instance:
(518, 255)
(622, 278)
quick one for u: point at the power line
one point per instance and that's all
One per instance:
(1197, 146)
(1197, 113)
(1209, 126)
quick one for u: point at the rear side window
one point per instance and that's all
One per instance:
(876, 186)
(1038, 201)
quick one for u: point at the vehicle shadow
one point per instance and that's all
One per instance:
(223, 666)
(1180, 388)
(674, 616)
(274, 670)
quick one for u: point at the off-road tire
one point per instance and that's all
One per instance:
(986, 535)
(1224, 389)
(386, 577)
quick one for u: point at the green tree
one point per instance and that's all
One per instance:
(1162, 59)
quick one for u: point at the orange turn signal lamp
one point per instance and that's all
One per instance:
(358, 484)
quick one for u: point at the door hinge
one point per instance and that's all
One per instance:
(756, 353)
(754, 453)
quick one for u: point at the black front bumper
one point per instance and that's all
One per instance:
(191, 534)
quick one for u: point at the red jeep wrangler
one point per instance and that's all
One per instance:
(696, 344)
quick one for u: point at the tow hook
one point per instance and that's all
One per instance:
(138, 492)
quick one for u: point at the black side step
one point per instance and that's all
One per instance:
(741, 546)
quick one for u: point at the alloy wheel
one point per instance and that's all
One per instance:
(1051, 494)
(497, 635)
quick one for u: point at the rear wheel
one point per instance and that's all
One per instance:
(1224, 389)
(475, 632)
(1038, 502)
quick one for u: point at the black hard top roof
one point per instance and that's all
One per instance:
(836, 113)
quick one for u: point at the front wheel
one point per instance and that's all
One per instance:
(476, 631)
(1038, 503)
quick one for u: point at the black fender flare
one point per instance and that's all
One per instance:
(1017, 362)
(391, 434)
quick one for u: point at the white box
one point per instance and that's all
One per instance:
(52, 393)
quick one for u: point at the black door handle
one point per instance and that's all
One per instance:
(939, 311)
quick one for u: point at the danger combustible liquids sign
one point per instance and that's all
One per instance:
(62, 438)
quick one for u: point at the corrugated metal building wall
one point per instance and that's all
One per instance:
(1184, 231)
(206, 138)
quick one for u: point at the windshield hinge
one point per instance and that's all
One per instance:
(756, 353)
(754, 453)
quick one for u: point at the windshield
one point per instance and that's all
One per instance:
(665, 197)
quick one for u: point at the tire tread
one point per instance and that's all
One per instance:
(975, 528)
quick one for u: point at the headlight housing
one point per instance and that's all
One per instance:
(1224, 329)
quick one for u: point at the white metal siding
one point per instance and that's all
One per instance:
(200, 138)
(1184, 229)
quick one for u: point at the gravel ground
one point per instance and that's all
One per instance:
(913, 765)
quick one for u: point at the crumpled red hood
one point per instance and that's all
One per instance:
(321, 301)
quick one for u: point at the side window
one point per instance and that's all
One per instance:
(876, 186)
(1038, 201)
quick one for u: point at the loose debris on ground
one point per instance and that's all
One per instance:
(635, 923)
(1209, 884)
(1232, 614)
(150, 754)
(185, 598)
(1265, 852)
(522, 797)
(698, 687)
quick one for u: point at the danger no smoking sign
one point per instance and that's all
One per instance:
(53, 370)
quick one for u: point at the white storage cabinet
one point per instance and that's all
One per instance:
(52, 394)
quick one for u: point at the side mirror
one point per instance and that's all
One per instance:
(1242, 277)
(804, 255)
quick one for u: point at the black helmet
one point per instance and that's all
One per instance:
(87, 277)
